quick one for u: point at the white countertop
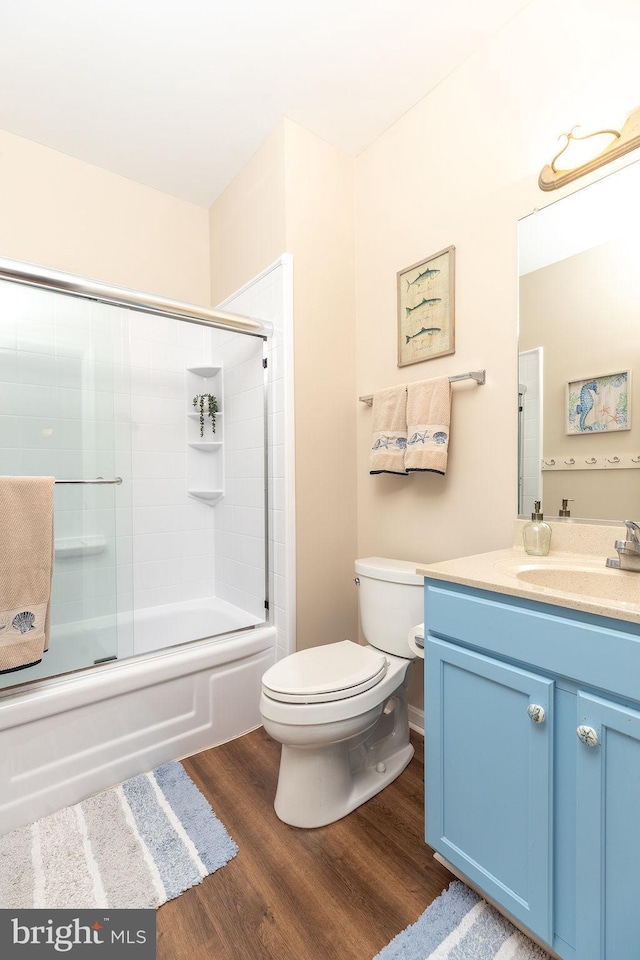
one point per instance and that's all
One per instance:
(577, 565)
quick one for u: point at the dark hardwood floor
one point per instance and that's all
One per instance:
(341, 891)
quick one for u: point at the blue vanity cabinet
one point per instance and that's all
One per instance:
(490, 752)
(532, 763)
(608, 827)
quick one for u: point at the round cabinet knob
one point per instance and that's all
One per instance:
(588, 736)
(536, 713)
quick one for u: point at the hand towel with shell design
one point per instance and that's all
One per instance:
(428, 419)
(389, 429)
(26, 569)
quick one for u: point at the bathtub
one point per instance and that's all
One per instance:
(64, 739)
(157, 627)
(75, 646)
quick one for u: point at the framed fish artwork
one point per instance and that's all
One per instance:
(426, 318)
(599, 404)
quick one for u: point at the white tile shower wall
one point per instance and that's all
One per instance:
(240, 518)
(171, 535)
(530, 375)
(268, 297)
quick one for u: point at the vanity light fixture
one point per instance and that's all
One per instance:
(555, 174)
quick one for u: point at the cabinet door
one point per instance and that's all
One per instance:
(488, 777)
(608, 831)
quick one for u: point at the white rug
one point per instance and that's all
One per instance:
(137, 845)
(459, 925)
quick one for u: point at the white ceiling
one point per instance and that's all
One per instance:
(179, 95)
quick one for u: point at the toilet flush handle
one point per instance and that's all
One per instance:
(356, 580)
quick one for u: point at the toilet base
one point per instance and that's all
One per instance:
(301, 807)
(319, 784)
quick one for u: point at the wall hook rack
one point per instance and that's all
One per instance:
(612, 461)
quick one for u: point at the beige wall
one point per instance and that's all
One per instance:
(461, 168)
(320, 237)
(583, 311)
(247, 222)
(296, 196)
(62, 213)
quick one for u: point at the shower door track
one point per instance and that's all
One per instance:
(37, 276)
(117, 480)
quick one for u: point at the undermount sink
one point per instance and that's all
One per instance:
(587, 578)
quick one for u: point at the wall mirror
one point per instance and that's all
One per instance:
(579, 347)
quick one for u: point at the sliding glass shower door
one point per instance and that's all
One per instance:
(64, 399)
(155, 429)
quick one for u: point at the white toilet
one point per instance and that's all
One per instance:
(340, 710)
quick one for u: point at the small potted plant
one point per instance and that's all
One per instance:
(206, 401)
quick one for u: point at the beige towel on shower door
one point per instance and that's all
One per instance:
(26, 569)
(428, 418)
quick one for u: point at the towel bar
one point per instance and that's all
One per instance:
(117, 480)
(478, 375)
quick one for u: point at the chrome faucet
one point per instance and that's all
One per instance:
(628, 550)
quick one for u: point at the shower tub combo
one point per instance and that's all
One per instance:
(160, 603)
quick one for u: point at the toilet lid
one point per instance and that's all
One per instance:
(331, 672)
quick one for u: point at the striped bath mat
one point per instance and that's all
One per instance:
(459, 925)
(137, 845)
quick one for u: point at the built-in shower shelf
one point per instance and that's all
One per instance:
(79, 547)
(206, 445)
(205, 372)
(210, 496)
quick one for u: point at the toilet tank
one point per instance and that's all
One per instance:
(391, 598)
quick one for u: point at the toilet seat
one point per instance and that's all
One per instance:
(324, 674)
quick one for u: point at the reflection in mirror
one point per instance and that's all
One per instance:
(579, 345)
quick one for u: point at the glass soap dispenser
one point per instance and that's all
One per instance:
(536, 534)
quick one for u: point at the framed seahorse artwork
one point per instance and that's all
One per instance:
(426, 316)
(599, 404)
